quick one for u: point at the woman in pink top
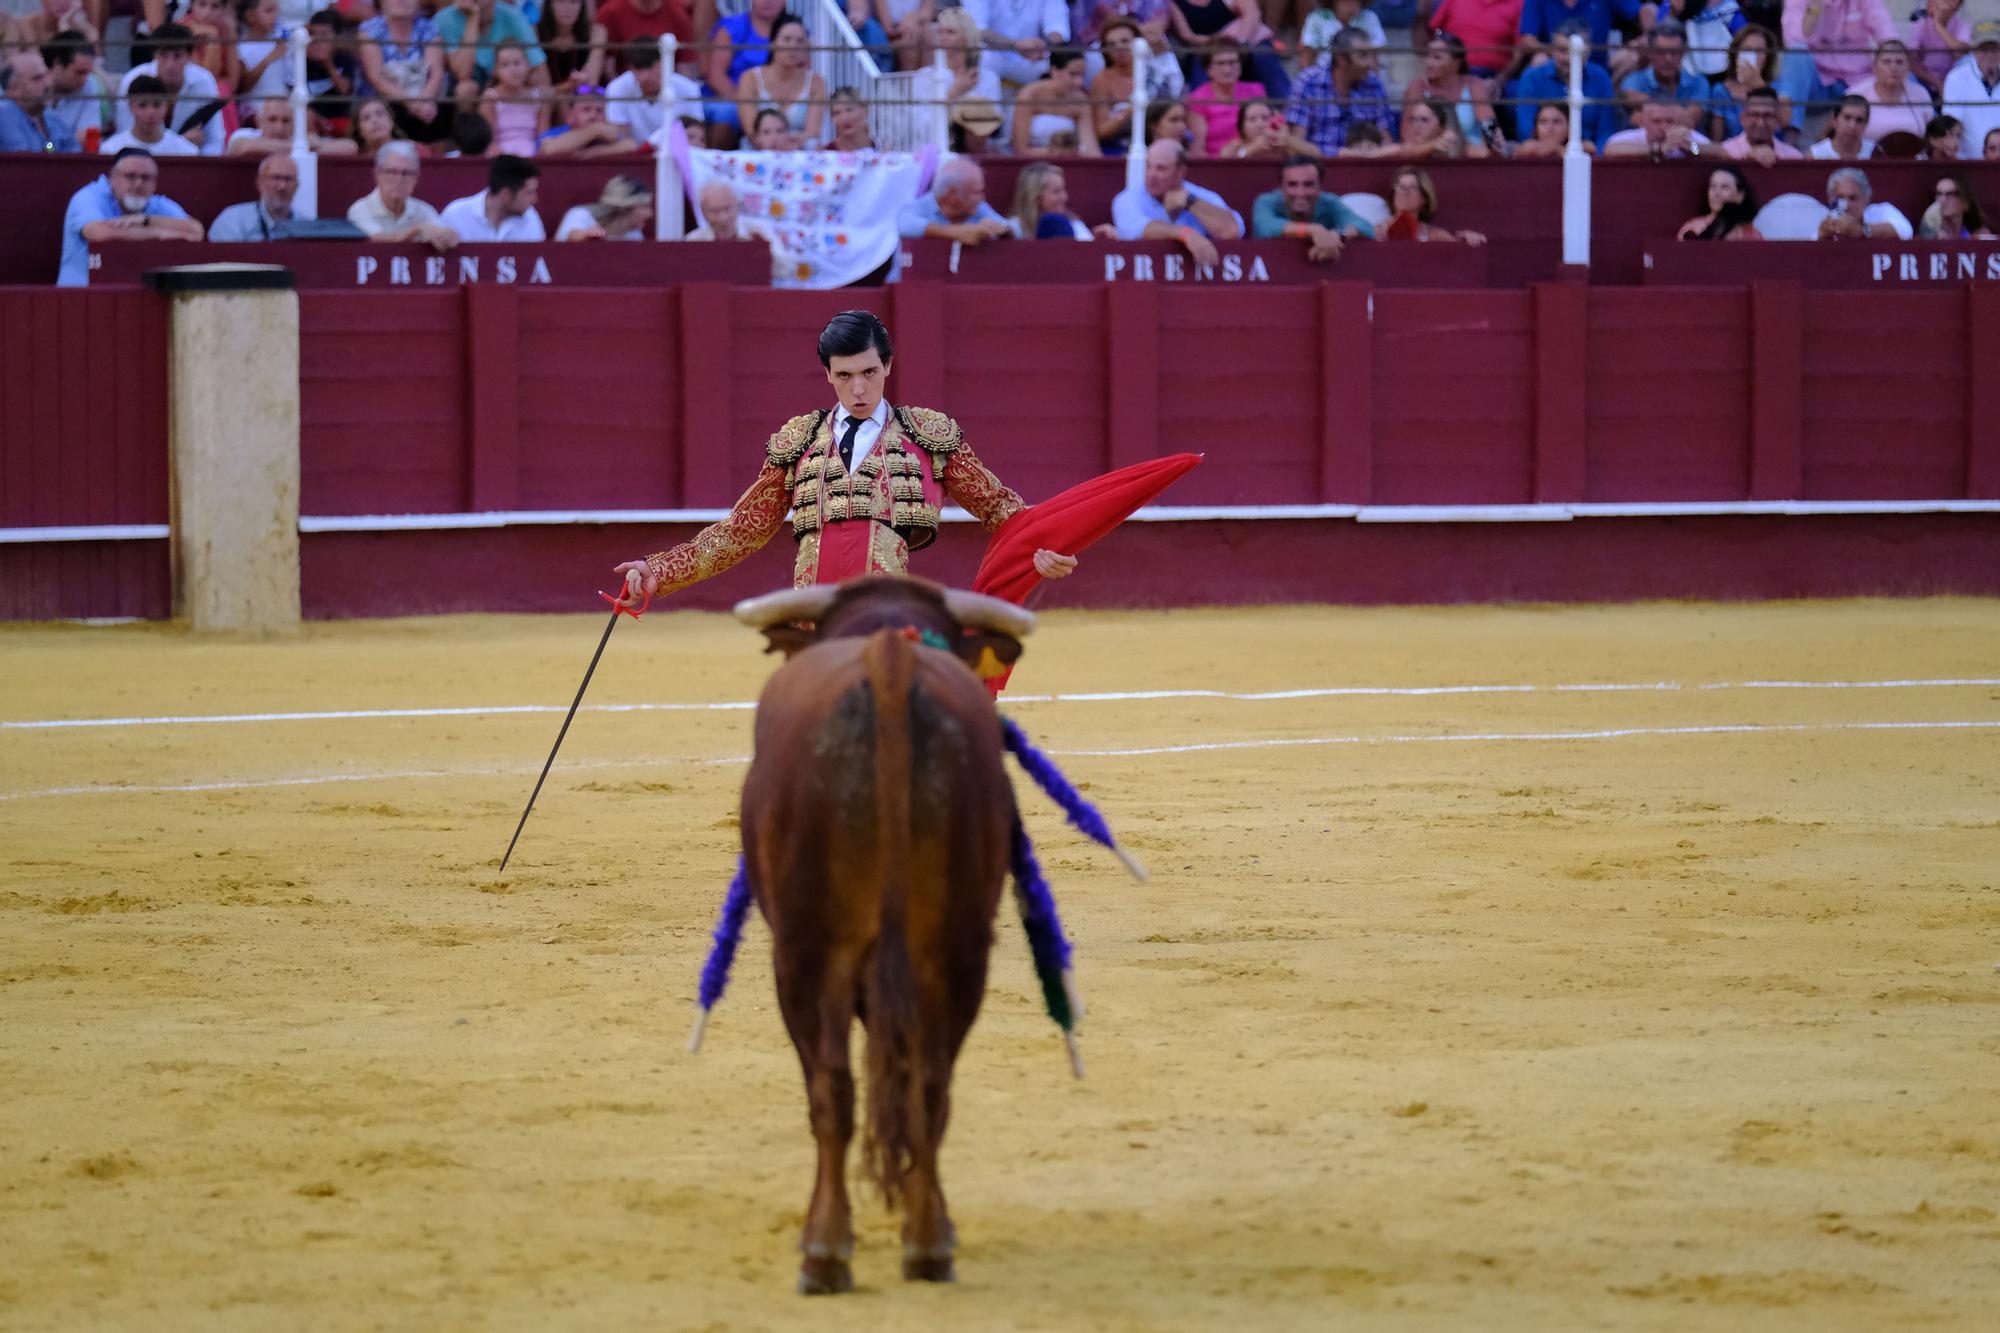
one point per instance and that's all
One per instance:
(510, 106)
(1839, 33)
(1939, 35)
(1218, 100)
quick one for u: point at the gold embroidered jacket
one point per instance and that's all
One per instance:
(802, 475)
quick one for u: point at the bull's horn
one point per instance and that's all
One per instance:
(778, 608)
(979, 611)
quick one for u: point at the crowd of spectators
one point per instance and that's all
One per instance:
(1747, 82)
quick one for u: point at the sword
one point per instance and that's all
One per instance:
(618, 608)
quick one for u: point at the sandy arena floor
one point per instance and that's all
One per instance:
(1420, 1023)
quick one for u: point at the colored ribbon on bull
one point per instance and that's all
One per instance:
(721, 954)
(1080, 812)
(1046, 942)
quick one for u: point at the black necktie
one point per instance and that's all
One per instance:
(847, 444)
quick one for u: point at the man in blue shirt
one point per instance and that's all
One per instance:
(1170, 207)
(1664, 75)
(1330, 98)
(955, 209)
(121, 206)
(1298, 208)
(269, 216)
(1548, 81)
(1541, 18)
(25, 123)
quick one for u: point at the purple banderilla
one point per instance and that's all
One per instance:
(1047, 943)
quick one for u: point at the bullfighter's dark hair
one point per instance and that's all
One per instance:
(852, 332)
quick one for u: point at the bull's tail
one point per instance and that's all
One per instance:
(897, 1123)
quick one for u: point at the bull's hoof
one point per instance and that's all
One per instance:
(825, 1277)
(928, 1267)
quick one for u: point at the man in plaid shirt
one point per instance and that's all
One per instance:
(1330, 99)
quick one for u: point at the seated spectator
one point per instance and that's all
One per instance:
(1753, 64)
(786, 84)
(1939, 37)
(1944, 137)
(1846, 139)
(263, 53)
(1055, 117)
(1111, 89)
(145, 113)
(374, 126)
(1413, 203)
(505, 209)
(585, 132)
(120, 206)
(1991, 152)
(576, 45)
(1542, 22)
(1170, 207)
(1019, 34)
(1301, 210)
(1169, 119)
(193, 99)
(1843, 32)
(1758, 142)
(513, 110)
(1481, 33)
(1955, 214)
(1219, 101)
(1972, 91)
(333, 73)
(402, 62)
(973, 94)
(1447, 82)
(473, 32)
(213, 27)
(1551, 134)
(955, 209)
(392, 211)
(1041, 208)
(1090, 18)
(1261, 132)
(1732, 204)
(49, 19)
(79, 98)
(722, 220)
(1200, 24)
(273, 134)
(850, 122)
(622, 213)
(770, 132)
(471, 136)
(1547, 81)
(1329, 20)
(1665, 77)
(1851, 215)
(269, 216)
(633, 98)
(1329, 100)
(1895, 101)
(627, 23)
(1662, 133)
(737, 45)
(1427, 131)
(25, 123)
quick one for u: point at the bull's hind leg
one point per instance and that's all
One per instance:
(928, 1235)
(818, 1010)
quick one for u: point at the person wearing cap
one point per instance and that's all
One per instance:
(123, 205)
(863, 483)
(1972, 91)
(621, 213)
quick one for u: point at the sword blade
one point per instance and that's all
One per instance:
(570, 717)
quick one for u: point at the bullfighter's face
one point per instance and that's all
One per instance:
(858, 381)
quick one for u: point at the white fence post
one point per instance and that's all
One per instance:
(668, 206)
(1135, 145)
(305, 203)
(1576, 166)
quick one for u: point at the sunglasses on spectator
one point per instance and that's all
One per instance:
(583, 89)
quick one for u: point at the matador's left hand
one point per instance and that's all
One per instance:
(1052, 566)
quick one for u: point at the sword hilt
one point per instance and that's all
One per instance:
(618, 603)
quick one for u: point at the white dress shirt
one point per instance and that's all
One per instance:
(864, 439)
(467, 217)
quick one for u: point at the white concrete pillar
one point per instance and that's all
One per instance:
(233, 430)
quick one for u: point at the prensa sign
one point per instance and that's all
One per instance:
(451, 270)
(1937, 266)
(369, 266)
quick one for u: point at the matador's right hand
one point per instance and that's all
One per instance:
(640, 582)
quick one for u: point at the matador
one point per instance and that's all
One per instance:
(862, 482)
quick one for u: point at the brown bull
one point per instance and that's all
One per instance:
(876, 823)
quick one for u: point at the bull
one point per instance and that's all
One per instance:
(876, 821)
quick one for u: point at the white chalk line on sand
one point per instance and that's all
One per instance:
(1111, 696)
(1445, 738)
